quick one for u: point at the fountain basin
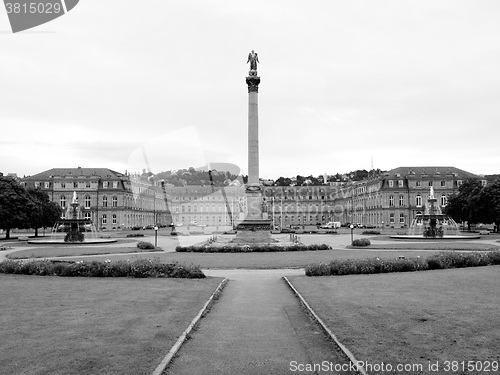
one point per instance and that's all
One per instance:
(444, 238)
(86, 241)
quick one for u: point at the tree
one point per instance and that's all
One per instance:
(466, 205)
(42, 213)
(13, 203)
(490, 204)
(283, 181)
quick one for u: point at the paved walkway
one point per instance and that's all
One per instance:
(257, 327)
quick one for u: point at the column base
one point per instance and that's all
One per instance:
(254, 231)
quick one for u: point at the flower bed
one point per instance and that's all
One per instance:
(140, 268)
(441, 260)
(249, 249)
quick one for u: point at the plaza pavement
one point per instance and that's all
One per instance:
(256, 327)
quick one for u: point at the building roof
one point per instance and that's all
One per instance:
(104, 173)
(433, 171)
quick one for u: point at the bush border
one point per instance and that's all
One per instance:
(140, 268)
(249, 248)
(442, 260)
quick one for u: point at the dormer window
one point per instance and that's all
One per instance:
(391, 183)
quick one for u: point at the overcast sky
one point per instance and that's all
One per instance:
(345, 85)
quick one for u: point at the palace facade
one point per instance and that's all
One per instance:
(114, 200)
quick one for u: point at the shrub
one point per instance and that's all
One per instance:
(135, 235)
(145, 245)
(438, 261)
(361, 242)
(371, 232)
(248, 248)
(139, 268)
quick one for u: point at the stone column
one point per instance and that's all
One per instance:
(253, 190)
(254, 229)
(253, 128)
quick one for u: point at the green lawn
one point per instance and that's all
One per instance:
(295, 259)
(412, 318)
(56, 325)
(51, 251)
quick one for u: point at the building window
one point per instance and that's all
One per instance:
(418, 200)
(430, 183)
(87, 184)
(63, 185)
(401, 200)
(62, 201)
(114, 219)
(391, 183)
(401, 218)
(391, 218)
(87, 201)
(443, 183)
(418, 183)
(114, 202)
(459, 182)
(443, 200)
(391, 201)
(104, 219)
(75, 185)
(47, 185)
(86, 215)
(400, 183)
(115, 184)
(105, 184)
(105, 201)
(37, 185)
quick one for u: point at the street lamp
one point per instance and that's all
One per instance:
(352, 235)
(156, 236)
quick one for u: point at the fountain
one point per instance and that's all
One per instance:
(433, 224)
(75, 228)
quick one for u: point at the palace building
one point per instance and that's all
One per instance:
(114, 200)
(394, 198)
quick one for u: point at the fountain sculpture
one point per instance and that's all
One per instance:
(433, 224)
(75, 228)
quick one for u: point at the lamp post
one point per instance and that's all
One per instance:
(352, 235)
(156, 235)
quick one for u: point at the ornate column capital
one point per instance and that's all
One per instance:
(253, 82)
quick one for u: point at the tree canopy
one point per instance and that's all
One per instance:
(475, 203)
(21, 208)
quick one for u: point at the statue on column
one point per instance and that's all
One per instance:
(253, 59)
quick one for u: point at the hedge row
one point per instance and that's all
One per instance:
(140, 268)
(249, 249)
(361, 242)
(376, 265)
(145, 245)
